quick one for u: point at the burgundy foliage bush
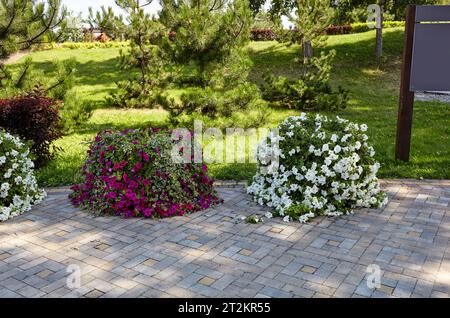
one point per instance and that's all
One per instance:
(262, 35)
(34, 118)
(339, 29)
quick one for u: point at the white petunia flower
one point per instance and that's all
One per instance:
(324, 183)
(337, 149)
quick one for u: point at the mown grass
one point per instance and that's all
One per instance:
(373, 91)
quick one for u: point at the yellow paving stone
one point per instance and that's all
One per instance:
(207, 281)
(334, 243)
(276, 230)
(402, 258)
(192, 237)
(245, 252)
(150, 262)
(226, 219)
(61, 233)
(44, 273)
(4, 256)
(386, 289)
(414, 233)
(308, 269)
(194, 252)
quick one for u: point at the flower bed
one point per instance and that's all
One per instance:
(132, 174)
(18, 186)
(326, 167)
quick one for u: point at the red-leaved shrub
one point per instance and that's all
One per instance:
(262, 35)
(338, 29)
(34, 118)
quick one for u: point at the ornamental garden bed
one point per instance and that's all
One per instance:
(132, 174)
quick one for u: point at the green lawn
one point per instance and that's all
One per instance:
(373, 91)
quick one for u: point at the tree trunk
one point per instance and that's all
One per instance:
(379, 39)
(307, 50)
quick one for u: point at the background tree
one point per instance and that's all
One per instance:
(209, 54)
(395, 9)
(24, 23)
(310, 19)
(107, 22)
(75, 27)
(143, 31)
(199, 45)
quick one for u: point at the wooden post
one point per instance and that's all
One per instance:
(405, 111)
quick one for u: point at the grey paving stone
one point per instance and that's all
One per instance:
(409, 240)
(275, 293)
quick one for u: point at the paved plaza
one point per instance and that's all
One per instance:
(214, 253)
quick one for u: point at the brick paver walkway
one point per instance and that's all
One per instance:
(215, 254)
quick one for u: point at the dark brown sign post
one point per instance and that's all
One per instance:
(426, 64)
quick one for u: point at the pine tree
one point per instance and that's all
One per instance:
(199, 45)
(26, 23)
(208, 51)
(106, 21)
(310, 19)
(144, 32)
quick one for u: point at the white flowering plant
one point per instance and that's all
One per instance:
(18, 186)
(325, 167)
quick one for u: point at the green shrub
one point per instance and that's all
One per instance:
(312, 91)
(75, 111)
(93, 45)
(364, 26)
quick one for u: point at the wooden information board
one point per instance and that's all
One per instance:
(426, 64)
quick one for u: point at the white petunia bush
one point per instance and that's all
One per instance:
(324, 166)
(18, 186)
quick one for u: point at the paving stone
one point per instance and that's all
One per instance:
(386, 289)
(275, 293)
(208, 254)
(45, 273)
(207, 281)
(245, 252)
(308, 269)
(95, 293)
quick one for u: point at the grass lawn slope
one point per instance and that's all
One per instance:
(373, 91)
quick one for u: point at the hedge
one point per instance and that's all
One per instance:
(270, 35)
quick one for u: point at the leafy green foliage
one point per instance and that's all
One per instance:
(75, 111)
(312, 91)
(24, 23)
(25, 78)
(145, 89)
(373, 100)
(107, 21)
(199, 45)
(209, 52)
(75, 29)
(310, 18)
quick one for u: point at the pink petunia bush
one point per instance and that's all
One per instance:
(132, 174)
